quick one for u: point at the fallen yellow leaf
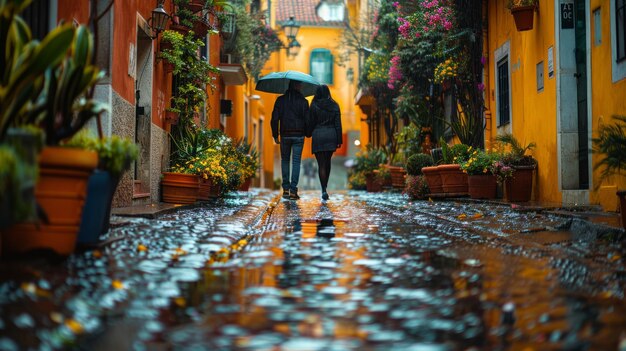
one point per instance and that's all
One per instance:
(180, 302)
(96, 254)
(56, 317)
(462, 216)
(477, 215)
(74, 326)
(141, 248)
(29, 288)
(118, 285)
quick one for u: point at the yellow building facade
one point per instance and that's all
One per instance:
(555, 85)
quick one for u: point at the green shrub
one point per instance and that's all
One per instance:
(416, 162)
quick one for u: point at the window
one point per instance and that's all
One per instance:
(597, 27)
(620, 29)
(504, 106)
(322, 66)
(37, 17)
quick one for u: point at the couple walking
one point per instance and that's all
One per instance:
(292, 120)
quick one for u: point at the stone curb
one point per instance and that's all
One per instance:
(579, 222)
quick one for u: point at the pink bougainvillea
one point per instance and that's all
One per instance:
(395, 72)
(432, 15)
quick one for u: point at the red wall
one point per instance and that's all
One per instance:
(70, 10)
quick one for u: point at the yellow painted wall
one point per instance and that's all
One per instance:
(534, 115)
(608, 99)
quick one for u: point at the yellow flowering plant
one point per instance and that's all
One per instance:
(479, 162)
(446, 70)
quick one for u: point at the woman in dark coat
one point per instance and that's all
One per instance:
(325, 129)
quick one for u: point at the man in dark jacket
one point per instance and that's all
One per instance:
(288, 129)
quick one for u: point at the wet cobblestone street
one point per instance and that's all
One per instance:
(359, 272)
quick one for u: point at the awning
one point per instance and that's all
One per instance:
(232, 74)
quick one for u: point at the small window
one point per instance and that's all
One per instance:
(36, 15)
(597, 27)
(620, 29)
(504, 106)
(322, 66)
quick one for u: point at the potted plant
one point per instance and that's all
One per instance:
(367, 161)
(249, 158)
(60, 70)
(115, 155)
(611, 145)
(523, 13)
(519, 186)
(481, 181)
(453, 179)
(211, 173)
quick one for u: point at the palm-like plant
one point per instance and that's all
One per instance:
(517, 155)
(611, 144)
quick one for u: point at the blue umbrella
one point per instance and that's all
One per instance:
(278, 82)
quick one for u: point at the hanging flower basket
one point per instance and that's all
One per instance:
(524, 17)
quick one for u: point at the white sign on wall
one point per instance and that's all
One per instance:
(132, 61)
(550, 62)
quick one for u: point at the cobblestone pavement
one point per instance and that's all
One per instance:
(361, 271)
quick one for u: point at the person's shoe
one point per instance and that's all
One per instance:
(285, 194)
(293, 195)
(324, 196)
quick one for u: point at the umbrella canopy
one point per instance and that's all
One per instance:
(278, 82)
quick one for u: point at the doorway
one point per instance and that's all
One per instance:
(143, 108)
(573, 100)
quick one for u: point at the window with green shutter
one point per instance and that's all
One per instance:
(322, 65)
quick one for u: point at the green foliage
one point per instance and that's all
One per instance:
(254, 41)
(611, 145)
(409, 140)
(193, 73)
(45, 82)
(356, 181)
(115, 153)
(416, 162)
(517, 153)
(479, 162)
(369, 160)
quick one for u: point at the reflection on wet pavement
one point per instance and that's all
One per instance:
(359, 272)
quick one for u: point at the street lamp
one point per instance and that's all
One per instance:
(294, 48)
(291, 28)
(158, 20)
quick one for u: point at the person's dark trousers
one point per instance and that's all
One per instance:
(291, 150)
(323, 166)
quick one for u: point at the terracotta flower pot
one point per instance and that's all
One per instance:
(207, 189)
(524, 17)
(433, 178)
(398, 175)
(245, 186)
(373, 184)
(453, 179)
(194, 5)
(61, 192)
(201, 28)
(171, 117)
(482, 186)
(179, 188)
(519, 187)
(622, 205)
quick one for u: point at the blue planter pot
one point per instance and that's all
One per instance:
(97, 207)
